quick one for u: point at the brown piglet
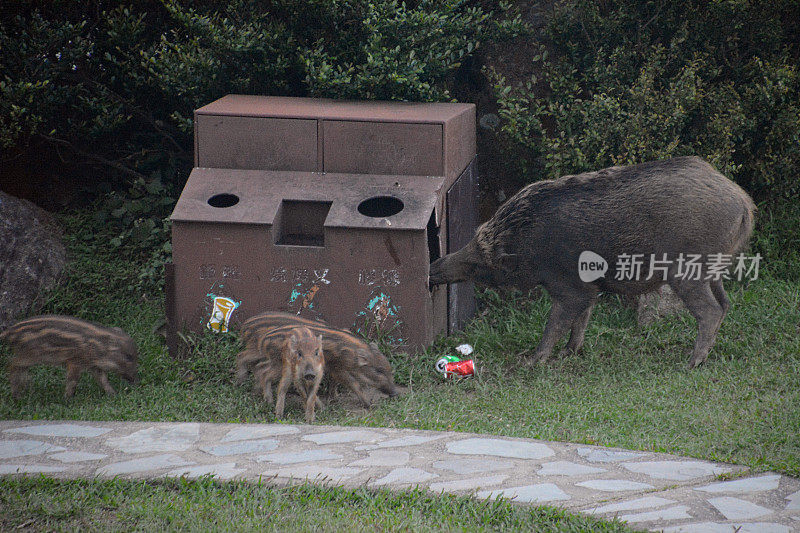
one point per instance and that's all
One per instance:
(77, 344)
(349, 360)
(302, 364)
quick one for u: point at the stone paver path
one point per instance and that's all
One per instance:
(647, 490)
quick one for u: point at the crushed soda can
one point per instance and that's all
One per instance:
(460, 368)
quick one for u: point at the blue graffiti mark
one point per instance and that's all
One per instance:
(380, 316)
(382, 299)
(215, 285)
(295, 294)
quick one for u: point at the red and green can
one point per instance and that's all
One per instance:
(459, 368)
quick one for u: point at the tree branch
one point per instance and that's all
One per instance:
(92, 157)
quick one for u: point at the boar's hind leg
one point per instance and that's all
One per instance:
(722, 298)
(578, 332)
(703, 301)
(102, 379)
(566, 311)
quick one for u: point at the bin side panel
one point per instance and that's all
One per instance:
(462, 220)
(256, 143)
(218, 260)
(359, 280)
(383, 148)
(379, 285)
(460, 143)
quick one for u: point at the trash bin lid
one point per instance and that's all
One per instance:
(357, 200)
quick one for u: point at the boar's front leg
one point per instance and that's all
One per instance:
(568, 310)
(266, 390)
(355, 386)
(102, 379)
(18, 377)
(283, 387)
(312, 399)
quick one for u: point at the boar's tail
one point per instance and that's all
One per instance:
(746, 224)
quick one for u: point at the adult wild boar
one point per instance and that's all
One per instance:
(663, 214)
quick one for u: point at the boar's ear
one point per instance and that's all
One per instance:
(508, 262)
(374, 346)
(292, 342)
(118, 330)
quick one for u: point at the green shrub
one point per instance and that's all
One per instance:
(115, 85)
(777, 239)
(626, 82)
(108, 88)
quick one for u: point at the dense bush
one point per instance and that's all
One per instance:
(626, 82)
(115, 84)
(109, 87)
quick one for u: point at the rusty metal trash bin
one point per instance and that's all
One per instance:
(327, 209)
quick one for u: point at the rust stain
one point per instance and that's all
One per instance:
(390, 247)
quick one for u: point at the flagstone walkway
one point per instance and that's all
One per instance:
(647, 490)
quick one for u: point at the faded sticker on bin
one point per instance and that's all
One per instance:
(300, 276)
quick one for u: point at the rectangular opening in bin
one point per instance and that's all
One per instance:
(301, 223)
(434, 247)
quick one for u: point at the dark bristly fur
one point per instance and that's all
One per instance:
(676, 206)
(77, 344)
(349, 360)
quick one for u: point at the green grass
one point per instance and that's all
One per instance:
(630, 387)
(45, 504)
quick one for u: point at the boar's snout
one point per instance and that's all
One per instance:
(383, 381)
(455, 267)
(438, 275)
(309, 375)
(467, 264)
(131, 374)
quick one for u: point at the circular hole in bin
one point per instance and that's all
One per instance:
(223, 200)
(380, 206)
